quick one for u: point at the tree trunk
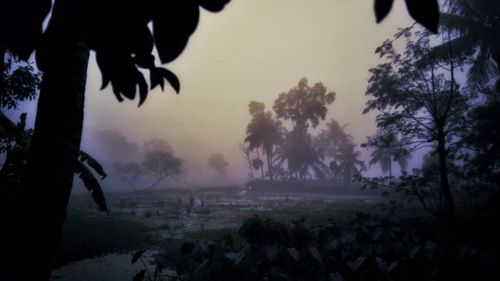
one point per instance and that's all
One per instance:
(250, 165)
(55, 146)
(269, 166)
(390, 168)
(497, 60)
(262, 164)
(2, 65)
(445, 197)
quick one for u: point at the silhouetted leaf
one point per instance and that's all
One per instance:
(213, 5)
(357, 263)
(382, 9)
(235, 257)
(21, 22)
(105, 81)
(173, 24)
(391, 266)
(171, 78)
(137, 255)
(159, 73)
(202, 266)
(425, 12)
(378, 232)
(7, 127)
(204, 245)
(92, 185)
(85, 157)
(99, 198)
(415, 251)
(294, 254)
(316, 254)
(139, 276)
(143, 88)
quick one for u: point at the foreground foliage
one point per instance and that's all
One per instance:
(91, 234)
(362, 247)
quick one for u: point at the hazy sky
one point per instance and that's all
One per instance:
(252, 50)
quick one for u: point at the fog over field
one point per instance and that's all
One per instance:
(254, 50)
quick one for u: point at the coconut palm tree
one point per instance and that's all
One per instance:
(331, 139)
(475, 26)
(388, 149)
(301, 156)
(349, 164)
(264, 133)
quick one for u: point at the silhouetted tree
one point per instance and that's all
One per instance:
(14, 142)
(331, 139)
(419, 98)
(157, 145)
(264, 132)
(387, 149)
(248, 157)
(257, 164)
(218, 163)
(304, 105)
(161, 165)
(484, 141)
(349, 165)
(19, 82)
(129, 172)
(473, 27)
(301, 156)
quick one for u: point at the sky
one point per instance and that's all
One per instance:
(252, 50)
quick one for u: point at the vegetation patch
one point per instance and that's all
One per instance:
(358, 247)
(88, 236)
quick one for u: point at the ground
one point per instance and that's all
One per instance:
(98, 246)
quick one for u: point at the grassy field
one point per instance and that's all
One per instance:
(165, 218)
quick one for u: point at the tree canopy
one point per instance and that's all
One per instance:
(419, 97)
(217, 162)
(304, 105)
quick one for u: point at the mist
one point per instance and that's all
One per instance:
(233, 59)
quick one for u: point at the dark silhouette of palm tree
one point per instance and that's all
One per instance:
(475, 26)
(301, 156)
(265, 133)
(388, 149)
(349, 164)
(331, 139)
